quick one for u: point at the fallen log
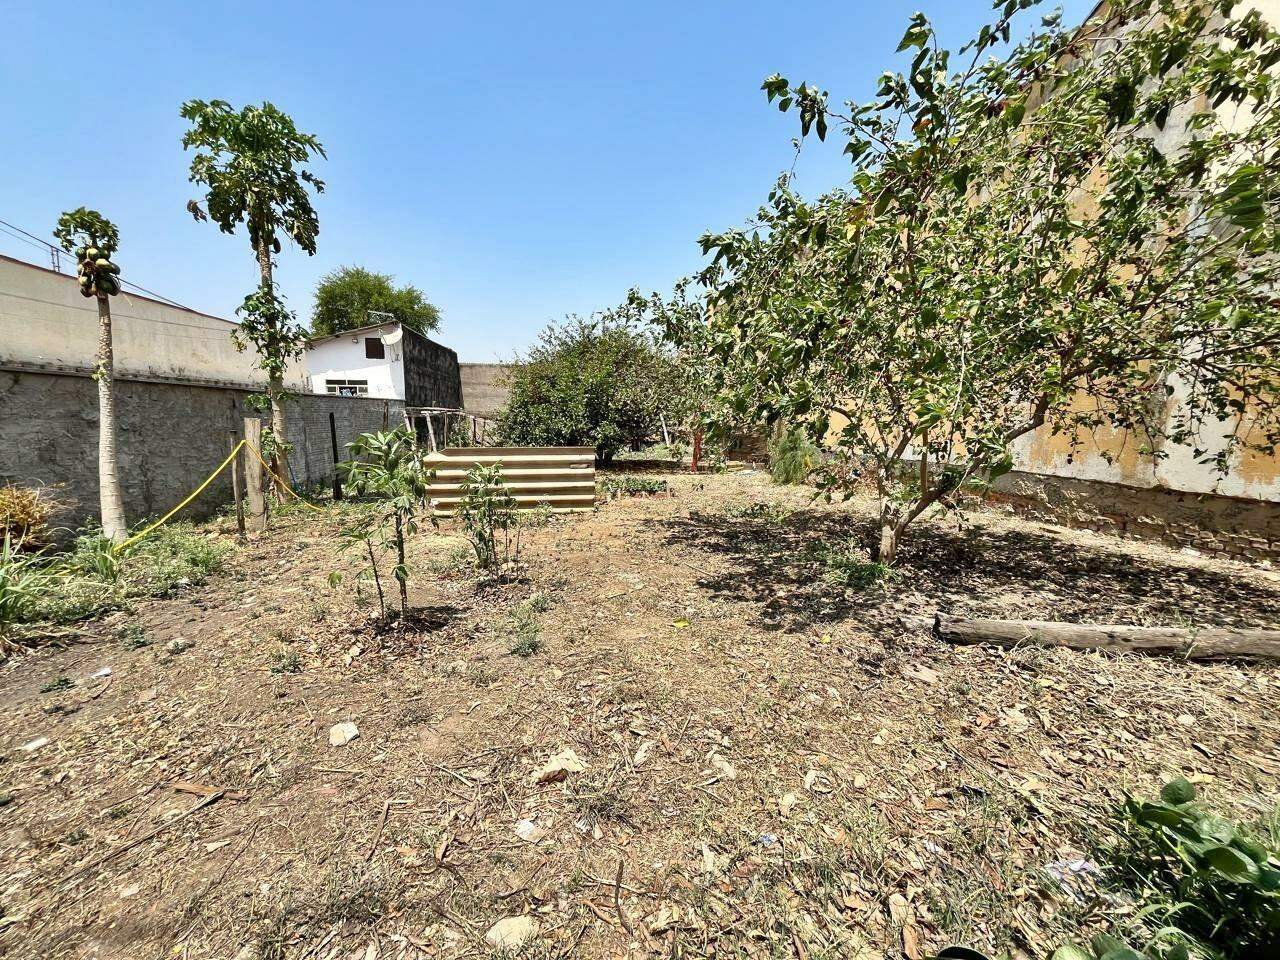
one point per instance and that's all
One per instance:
(1193, 643)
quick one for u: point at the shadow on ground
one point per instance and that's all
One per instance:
(1015, 573)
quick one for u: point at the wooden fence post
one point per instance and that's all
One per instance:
(253, 472)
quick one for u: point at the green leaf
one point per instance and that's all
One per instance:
(1071, 951)
(1178, 791)
(1231, 863)
(918, 33)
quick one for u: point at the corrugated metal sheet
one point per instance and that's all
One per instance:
(564, 478)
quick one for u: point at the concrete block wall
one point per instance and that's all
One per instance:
(171, 436)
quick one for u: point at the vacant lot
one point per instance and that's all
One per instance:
(777, 760)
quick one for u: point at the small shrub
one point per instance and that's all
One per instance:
(25, 513)
(847, 566)
(58, 684)
(768, 512)
(387, 467)
(629, 485)
(286, 661)
(793, 456)
(1213, 885)
(524, 626)
(24, 580)
(133, 637)
(489, 518)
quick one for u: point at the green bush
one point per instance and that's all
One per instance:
(793, 456)
(599, 383)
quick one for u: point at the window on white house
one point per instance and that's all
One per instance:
(374, 349)
(347, 388)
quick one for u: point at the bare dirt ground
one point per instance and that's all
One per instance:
(774, 764)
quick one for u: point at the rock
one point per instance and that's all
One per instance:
(723, 767)
(922, 673)
(32, 745)
(560, 766)
(511, 933)
(177, 645)
(529, 831)
(815, 781)
(340, 734)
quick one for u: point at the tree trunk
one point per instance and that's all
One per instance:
(888, 550)
(109, 498)
(275, 383)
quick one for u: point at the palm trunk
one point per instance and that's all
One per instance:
(110, 500)
(275, 382)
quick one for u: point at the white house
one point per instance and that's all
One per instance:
(386, 361)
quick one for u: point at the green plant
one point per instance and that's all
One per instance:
(25, 580)
(632, 485)
(1017, 249)
(58, 684)
(251, 163)
(95, 555)
(793, 456)
(847, 565)
(286, 661)
(603, 382)
(488, 513)
(1212, 885)
(768, 512)
(388, 468)
(133, 637)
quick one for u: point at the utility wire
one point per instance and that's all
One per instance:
(46, 245)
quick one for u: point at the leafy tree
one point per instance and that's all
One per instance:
(1078, 233)
(251, 163)
(345, 296)
(388, 467)
(601, 382)
(93, 239)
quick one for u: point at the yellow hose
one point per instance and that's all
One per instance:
(195, 493)
(271, 473)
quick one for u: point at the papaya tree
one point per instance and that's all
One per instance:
(93, 240)
(252, 164)
(1074, 233)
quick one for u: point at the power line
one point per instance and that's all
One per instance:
(54, 251)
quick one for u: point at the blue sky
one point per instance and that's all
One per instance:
(517, 162)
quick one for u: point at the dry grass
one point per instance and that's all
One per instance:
(25, 513)
(780, 767)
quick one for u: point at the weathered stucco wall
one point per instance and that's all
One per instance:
(344, 358)
(483, 395)
(45, 324)
(171, 437)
